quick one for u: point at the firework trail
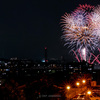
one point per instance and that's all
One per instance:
(95, 58)
(80, 30)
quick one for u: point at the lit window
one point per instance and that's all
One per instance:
(38, 64)
(70, 67)
(89, 68)
(49, 70)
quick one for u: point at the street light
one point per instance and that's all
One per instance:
(77, 83)
(88, 93)
(83, 81)
(68, 87)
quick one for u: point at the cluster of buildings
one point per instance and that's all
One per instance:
(26, 67)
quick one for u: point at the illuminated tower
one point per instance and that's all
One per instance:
(46, 54)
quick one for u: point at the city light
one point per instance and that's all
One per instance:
(68, 87)
(83, 81)
(77, 83)
(89, 92)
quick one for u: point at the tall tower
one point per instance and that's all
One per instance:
(46, 54)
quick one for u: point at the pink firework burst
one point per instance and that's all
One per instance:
(84, 9)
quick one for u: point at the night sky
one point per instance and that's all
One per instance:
(27, 26)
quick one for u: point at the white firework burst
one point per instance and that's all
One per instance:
(79, 31)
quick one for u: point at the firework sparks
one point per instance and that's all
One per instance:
(92, 58)
(78, 28)
(95, 21)
(84, 54)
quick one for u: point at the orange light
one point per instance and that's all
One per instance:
(83, 81)
(89, 92)
(77, 83)
(68, 87)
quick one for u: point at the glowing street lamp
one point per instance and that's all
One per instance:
(89, 92)
(77, 83)
(83, 81)
(68, 87)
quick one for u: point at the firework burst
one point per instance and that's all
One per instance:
(78, 31)
(95, 21)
